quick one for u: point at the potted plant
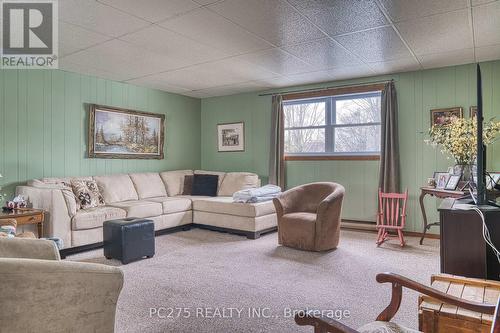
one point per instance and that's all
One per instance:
(458, 140)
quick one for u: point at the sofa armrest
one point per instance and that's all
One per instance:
(57, 221)
(58, 296)
(28, 248)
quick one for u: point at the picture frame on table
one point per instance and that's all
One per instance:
(453, 182)
(441, 178)
(492, 179)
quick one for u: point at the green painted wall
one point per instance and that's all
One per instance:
(43, 125)
(418, 92)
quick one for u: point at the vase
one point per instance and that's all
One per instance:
(463, 169)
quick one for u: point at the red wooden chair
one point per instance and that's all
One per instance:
(391, 215)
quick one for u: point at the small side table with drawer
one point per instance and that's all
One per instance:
(26, 216)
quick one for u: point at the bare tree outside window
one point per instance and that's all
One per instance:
(358, 138)
(333, 125)
(305, 140)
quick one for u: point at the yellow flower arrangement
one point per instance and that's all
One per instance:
(458, 138)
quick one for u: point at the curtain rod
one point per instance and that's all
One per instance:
(326, 88)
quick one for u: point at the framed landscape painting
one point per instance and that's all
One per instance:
(121, 133)
(231, 137)
(440, 117)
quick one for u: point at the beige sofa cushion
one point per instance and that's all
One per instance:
(173, 205)
(236, 181)
(174, 181)
(148, 185)
(95, 217)
(140, 208)
(225, 205)
(218, 173)
(116, 188)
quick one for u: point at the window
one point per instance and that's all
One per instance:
(341, 125)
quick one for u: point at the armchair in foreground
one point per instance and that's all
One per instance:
(45, 294)
(309, 216)
(383, 322)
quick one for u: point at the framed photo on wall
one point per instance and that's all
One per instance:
(231, 137)
(440, 117)
(122, 133)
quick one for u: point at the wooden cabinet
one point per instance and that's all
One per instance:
(463, 249)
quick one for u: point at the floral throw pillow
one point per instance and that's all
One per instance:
(87, 193)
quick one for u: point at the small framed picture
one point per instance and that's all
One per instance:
(231, 137)
(492, 180)
(472, 111)
(441, 179)
(453, 182)
(440, 117)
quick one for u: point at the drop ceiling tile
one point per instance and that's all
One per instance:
(207, 27)
(277, 61)
(488, 53)
(117, 56)
(451, 58)
(481, 2)
(97, 17)
(395, 66)
(376, 45)
(232, 89)
(275, 82)
(400, 10)
(177, 50)
(337, 17)
(438, 33)
(156, 84)
(487, 24)
(213, 74)
(341, 73)
(88, 70)
(274, 20)
(73, 38)
(206, 2)
(153, 10)
(323, 54)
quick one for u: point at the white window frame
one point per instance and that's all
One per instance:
(331, 125)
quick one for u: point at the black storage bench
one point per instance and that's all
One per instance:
(129, 239)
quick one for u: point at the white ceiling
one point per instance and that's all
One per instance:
(204, 48)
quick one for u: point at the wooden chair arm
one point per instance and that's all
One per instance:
(322, 324)
(398, 282)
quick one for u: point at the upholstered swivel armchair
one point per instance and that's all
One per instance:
(45, 294)
(309, 216)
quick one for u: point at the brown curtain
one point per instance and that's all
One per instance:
(389, 177)
(277, 148)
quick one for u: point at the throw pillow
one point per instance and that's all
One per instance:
(188, 185)
(87, 193)
(205, 185)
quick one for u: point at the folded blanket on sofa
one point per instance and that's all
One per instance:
(259, 194)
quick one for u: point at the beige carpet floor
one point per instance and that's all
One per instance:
(205, 272)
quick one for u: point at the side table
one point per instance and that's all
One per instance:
(26, 216)
(442, 194)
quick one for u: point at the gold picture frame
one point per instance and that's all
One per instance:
(440, 117)
(125, 134)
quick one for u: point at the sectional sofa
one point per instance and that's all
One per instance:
(156, 196)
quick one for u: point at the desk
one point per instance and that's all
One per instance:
(24, 216)
(443, 194)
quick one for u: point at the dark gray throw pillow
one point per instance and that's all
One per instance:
(188, 185)
(205, 185)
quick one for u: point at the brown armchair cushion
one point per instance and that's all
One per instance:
(309, 216)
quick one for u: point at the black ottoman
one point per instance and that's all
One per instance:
(128, 239)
